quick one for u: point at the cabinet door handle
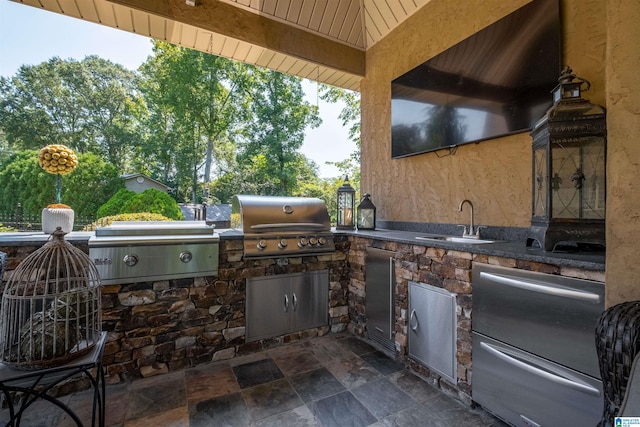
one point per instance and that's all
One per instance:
(286, 303)
(391, 283)
(413, 321)
(295, 302)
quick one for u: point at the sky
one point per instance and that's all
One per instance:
(29, 36)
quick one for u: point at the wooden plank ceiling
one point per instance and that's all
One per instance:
(358, 24)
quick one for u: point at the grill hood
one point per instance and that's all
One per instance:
(274, 214)
(282, 226)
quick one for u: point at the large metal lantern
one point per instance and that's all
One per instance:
(346, 206)
(569, 158)
(51, 307)
(366, 214)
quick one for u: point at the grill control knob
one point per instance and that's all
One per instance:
(130, 260)
(186, 256)
(322, 241)
(303, 242)
(313, 241)
(282, 243)
(262, 244)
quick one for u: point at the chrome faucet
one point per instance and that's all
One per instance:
(474, 233)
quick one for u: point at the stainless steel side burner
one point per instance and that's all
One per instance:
(139, 251)
(282, 226)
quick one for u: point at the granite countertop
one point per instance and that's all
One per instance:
(29, 238)
(515, 250)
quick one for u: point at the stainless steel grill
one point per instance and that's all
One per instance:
(282, 226)
(134, 251)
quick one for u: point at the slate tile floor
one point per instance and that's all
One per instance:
(335, 380)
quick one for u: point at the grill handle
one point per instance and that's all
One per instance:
(286, 303)
(295, 302)
(291, 225)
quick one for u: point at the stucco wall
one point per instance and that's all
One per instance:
(495, 175)
(623, 154)
(601, 42)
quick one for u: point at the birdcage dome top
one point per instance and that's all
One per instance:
(51, 306)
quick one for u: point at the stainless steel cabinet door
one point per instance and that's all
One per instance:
(379, 283)
(285, 303)
(432, 328)
(310, 300)
(268, 310)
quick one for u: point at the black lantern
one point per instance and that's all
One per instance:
(346, 205)
(569, 154)
(366, 214)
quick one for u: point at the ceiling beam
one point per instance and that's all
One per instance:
(225, 19)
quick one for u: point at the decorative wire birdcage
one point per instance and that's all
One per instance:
(51, 307)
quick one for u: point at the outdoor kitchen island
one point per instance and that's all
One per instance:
(542, 291)
(161, 326)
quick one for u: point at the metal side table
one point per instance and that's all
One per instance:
(37, 384)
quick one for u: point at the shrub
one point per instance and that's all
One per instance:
(139, 216)
(153, 201)
(6, 229)
(150, 200)
(115, 204)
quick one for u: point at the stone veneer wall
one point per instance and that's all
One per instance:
(162, 326)
(448, 269)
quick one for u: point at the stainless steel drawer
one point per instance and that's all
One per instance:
(526, 390)
(551, 316)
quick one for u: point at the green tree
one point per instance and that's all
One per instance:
(88, 105)
(276, 132)
(253, 176)
(197, 100)
(350, 114)
(350, 117)
(4, 146)
(90, 184)
(85, 189)
(115, 108)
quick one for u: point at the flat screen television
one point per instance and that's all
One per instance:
(496, 82)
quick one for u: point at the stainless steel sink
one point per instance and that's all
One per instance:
(464, 240)
(468, 240)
